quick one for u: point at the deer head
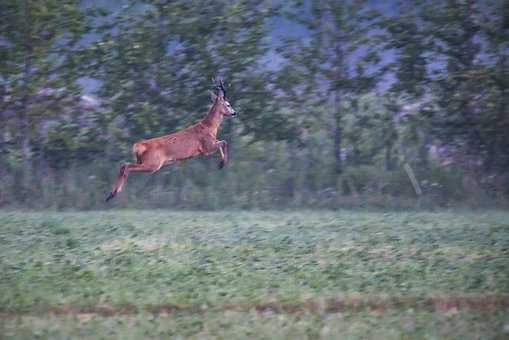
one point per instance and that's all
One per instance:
(218, 97)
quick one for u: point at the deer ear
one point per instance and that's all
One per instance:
(213, 96)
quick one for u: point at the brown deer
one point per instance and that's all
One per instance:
(150, 155)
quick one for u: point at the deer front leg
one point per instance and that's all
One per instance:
(222, 146)
(224, 154)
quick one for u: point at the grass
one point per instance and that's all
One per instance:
(308, 274)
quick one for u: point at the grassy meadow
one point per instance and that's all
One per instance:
(238, 275)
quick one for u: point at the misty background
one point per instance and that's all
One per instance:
(394, 104)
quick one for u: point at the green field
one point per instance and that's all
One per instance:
(295, 275)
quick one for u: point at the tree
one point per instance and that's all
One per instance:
(37, 81)
(339, 59)
(410, 38)
(494, 25)
(457, 79)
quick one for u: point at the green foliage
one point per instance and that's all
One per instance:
(473, 110)
(38, 75)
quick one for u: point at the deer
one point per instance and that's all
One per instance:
(150, 155)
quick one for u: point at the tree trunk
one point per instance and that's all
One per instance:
(389, 166)
(292, 175)
(23, 124)
(338, 135)
(423, 152)
(23, 112)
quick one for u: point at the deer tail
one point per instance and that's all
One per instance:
(138, 151)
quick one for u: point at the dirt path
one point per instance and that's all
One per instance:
(351, 304)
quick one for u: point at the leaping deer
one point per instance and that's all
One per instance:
(150, 155)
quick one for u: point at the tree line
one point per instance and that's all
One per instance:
(392, 105)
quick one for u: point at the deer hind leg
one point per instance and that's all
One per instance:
(124, 173)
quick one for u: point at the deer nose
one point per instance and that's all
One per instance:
(234, 114)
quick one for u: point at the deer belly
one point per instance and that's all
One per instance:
(183, 150)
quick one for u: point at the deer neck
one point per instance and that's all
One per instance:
(213, 119)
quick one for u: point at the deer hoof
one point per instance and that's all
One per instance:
(221, 165)
(110, 196)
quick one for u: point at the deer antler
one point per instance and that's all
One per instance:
(219, 84)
